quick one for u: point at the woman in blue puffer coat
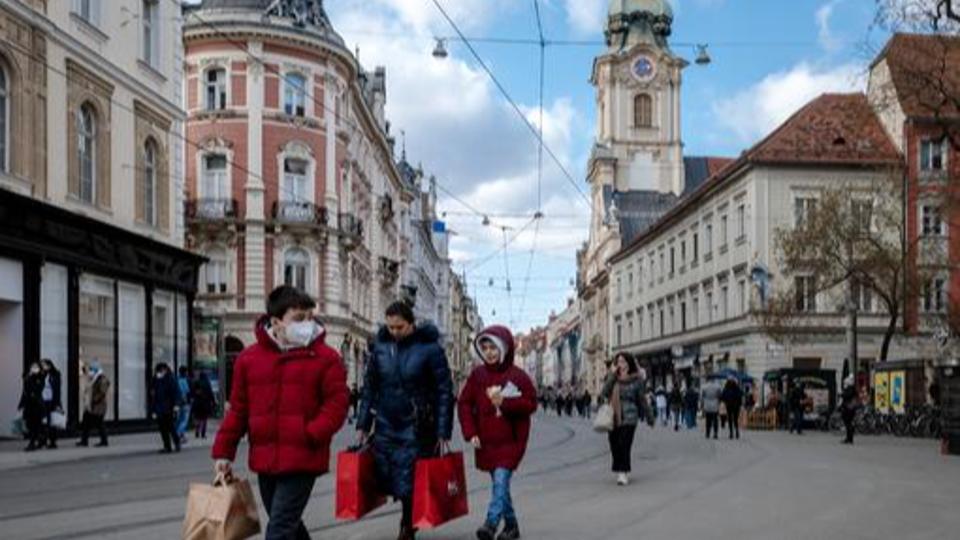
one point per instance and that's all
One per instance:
(406, 402)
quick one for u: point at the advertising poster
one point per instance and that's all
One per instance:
(881, 391)
(206, 350)
(898, 389)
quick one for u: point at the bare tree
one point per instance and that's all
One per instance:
(854, 237)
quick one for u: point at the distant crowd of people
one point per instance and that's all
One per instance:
(174, 401)
(567, 400)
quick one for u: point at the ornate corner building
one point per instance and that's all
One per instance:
(291, 178)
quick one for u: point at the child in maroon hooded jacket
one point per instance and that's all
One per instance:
(495, 408)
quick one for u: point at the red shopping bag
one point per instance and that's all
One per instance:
(439, 490)
(357, 491)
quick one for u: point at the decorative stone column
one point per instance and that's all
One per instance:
(255, 240)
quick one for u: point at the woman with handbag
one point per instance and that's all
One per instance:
(52, 405)
(625, 391)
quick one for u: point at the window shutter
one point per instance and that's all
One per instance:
(73, 160)
(140, 177)
(163, 190)
(95, 12)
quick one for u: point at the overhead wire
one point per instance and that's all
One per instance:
(513, 103)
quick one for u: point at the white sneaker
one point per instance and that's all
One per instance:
(622, 479)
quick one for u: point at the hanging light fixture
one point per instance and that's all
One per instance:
(490, 283)
(703, 58)
(440, 51)
(486, 221)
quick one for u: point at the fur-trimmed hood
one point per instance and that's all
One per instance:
(503, 338)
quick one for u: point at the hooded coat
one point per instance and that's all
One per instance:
(290, 402)
(407, 400)
(503, 438)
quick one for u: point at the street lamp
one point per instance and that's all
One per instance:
(703, 58)
(440, 51)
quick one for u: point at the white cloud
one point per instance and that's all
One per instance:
(754, 112)
(586, 17)
(825, 36)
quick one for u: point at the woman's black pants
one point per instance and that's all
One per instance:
(621, 441)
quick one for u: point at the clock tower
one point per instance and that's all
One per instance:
(638, 146)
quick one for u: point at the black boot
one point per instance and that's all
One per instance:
(486, 532)
(510, 532)
(407, 533)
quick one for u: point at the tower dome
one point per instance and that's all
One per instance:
(653, 7)
(638, 21)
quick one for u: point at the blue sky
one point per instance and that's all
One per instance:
(769, 57)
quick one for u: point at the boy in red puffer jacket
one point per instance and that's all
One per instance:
(495, 408)
(290, 397)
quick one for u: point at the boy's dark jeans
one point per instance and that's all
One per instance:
(285, 496)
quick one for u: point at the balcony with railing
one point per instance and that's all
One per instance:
(299, 213)
(206, 210)
(389, 269)
(351, 229)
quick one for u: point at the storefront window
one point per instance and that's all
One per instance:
(53, 323)
(96, 328)
(163, 329)
(133, 332)
(182, 322)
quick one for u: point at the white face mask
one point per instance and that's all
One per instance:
(299, 334)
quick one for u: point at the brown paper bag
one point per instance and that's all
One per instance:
(226, 510)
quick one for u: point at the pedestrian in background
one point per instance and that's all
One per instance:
(662, 411)
(711, 406)
(204, 405)
(732, 397)
(587, 404)
(676, 405)
(795, 401)
(691, 404)
(627, 395)
(165, 404)
(183, 417)
(290, 397)
(96, 392)
(31, 406)
(561, 400)
(406, 404)
(849, 403)
(494, 409)
(571, 399)
(51, 400)
(354, 400)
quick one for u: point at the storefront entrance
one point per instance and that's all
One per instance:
(11, 342)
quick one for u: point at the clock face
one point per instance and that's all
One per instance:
(644, 68)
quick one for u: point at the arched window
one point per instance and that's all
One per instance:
(216, 82)
(150, 182)
(87, 151)
(4, 119)
(294, 94)
(215, 271)
(296, 262)
(642, 110)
